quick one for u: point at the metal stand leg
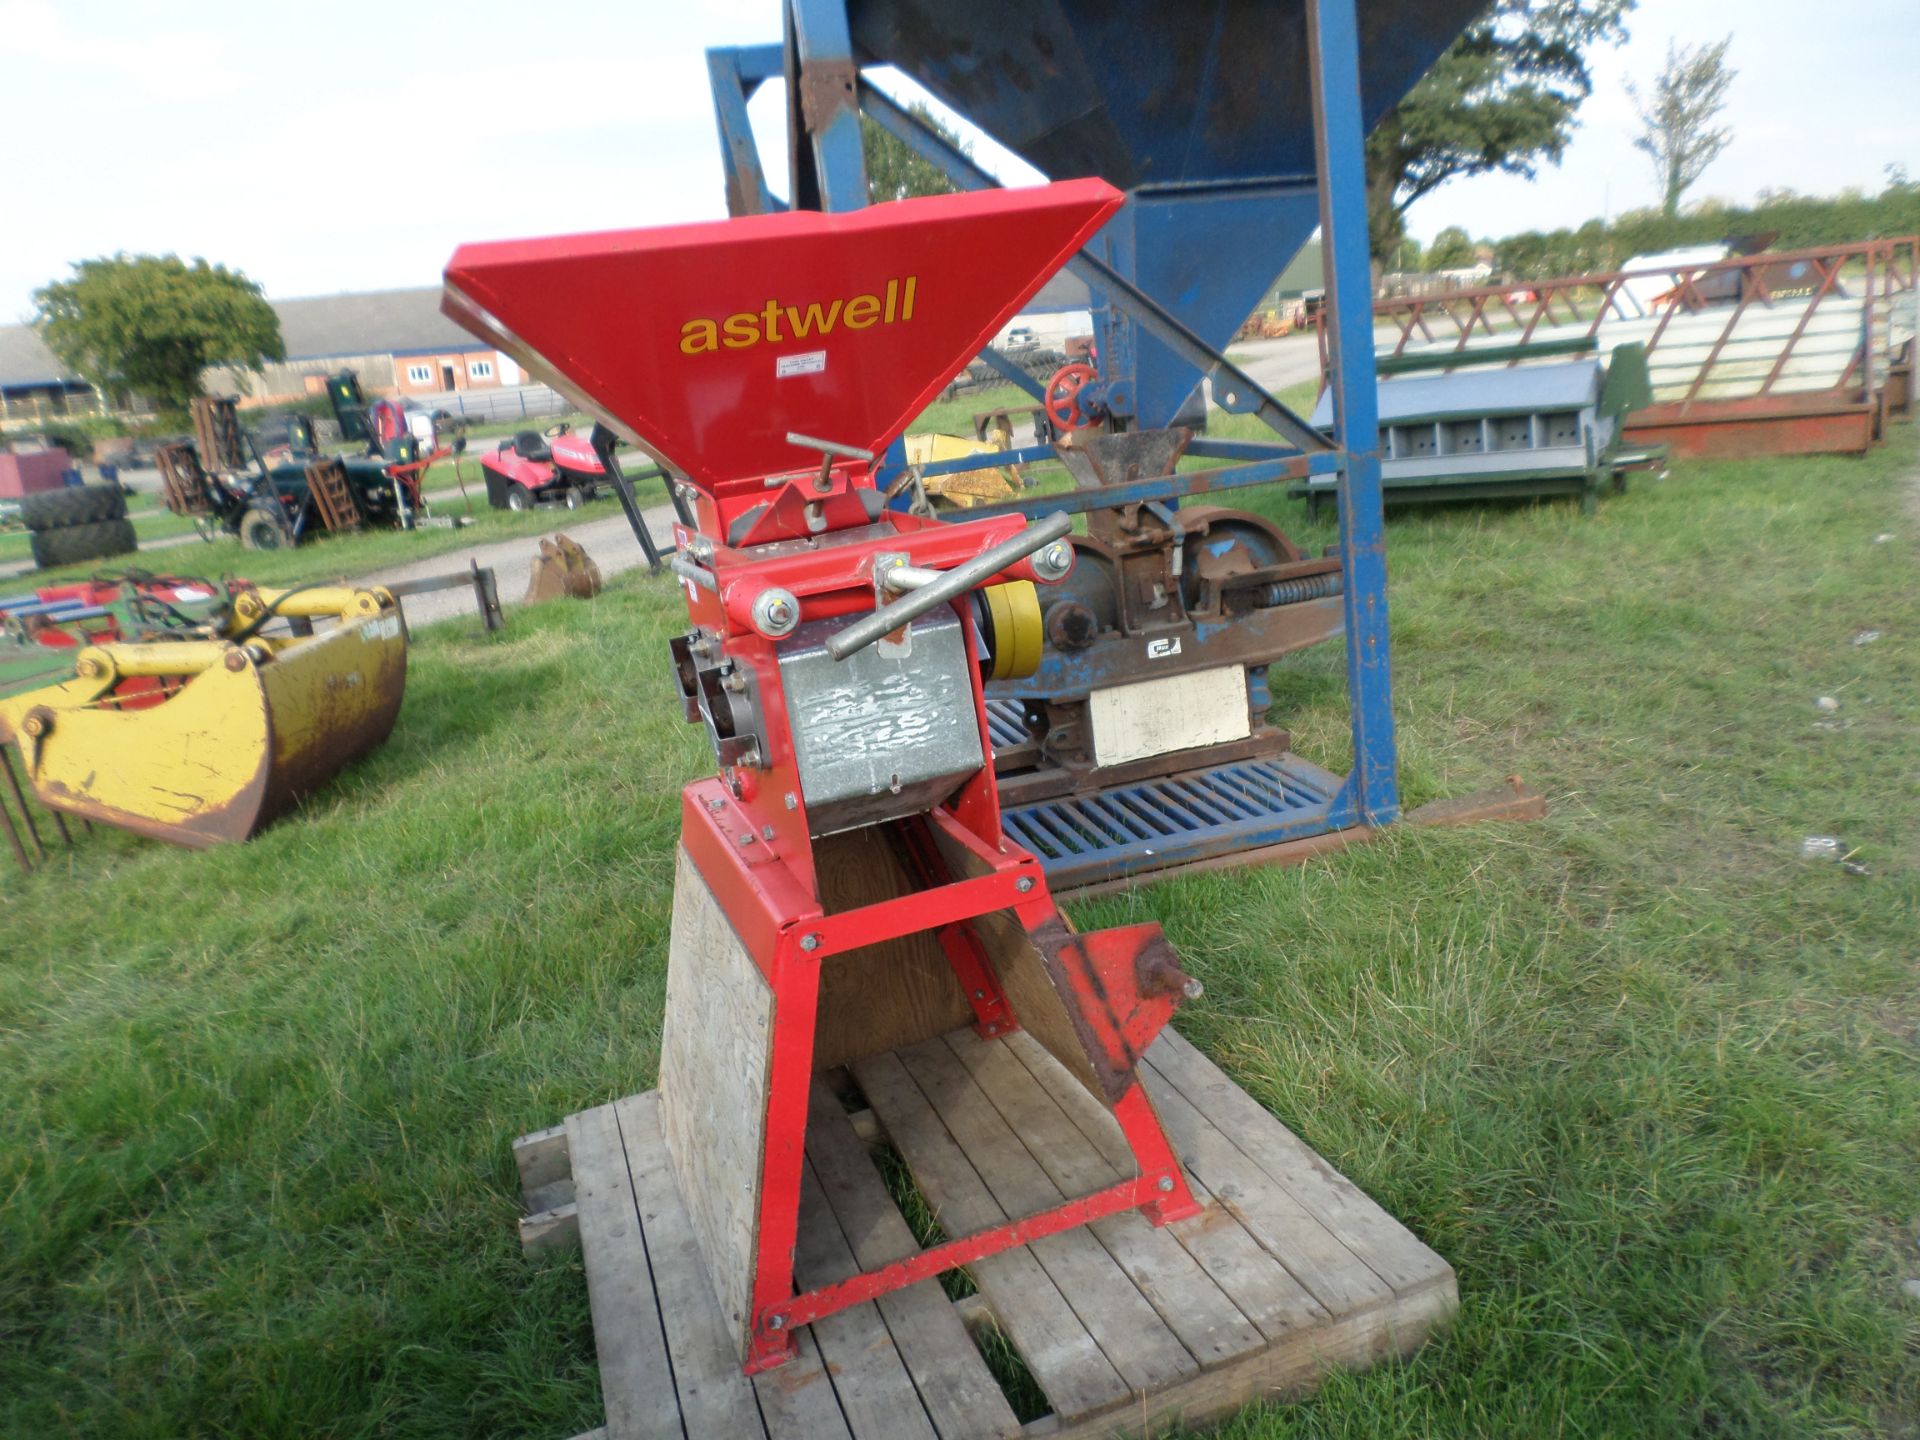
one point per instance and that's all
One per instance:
(603, 447)
(1372, 791)
(20, 799)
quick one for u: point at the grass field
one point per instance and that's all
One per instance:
(1646, 1078)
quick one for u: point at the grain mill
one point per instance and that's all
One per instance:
(843, 884)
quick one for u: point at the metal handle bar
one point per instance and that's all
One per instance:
(951, 584)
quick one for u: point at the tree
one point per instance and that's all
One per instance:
(1677, 129)
(152, 323)
(895, 170)
(1502, 98)
(1452, 249)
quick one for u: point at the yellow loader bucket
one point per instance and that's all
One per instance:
(963, 488)
(203, 741)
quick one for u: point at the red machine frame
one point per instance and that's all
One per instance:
(748, 836)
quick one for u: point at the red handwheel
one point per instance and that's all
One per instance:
(1062, 400)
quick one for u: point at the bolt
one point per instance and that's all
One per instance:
(1051, 562)
(1023, 884)
(776, 1322)
(1166, 1184)
(979, 994)
(746, 837)
(716, 804)
(766, 832)
(809, 942)
(775, 612)
(793, 801)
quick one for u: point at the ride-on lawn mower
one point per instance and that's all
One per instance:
(556, 467)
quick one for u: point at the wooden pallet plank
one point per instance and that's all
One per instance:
(960, 1394)
(1256, 1282)
(876, 1394)
(636, 1381)
(1194, 1308)
(715, 1398)
(1394, 1252)
(542, 1160)
(716, 1058)
(1125, 1324)
(1290, 1368)
(1065, 1360)
(557, 1228)
(1317, 1258)
(797, 1400)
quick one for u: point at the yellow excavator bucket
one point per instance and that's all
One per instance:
(209, 740)
(962, 489)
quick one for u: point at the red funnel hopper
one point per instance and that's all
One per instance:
(709, 343)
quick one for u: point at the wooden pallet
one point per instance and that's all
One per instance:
(332, 495)
(1289, 1272)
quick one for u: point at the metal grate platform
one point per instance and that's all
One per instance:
(1151, 824)
(1007, 724)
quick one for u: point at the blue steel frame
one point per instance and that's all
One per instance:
(819, 33)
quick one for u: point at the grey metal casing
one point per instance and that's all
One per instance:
(877, 737)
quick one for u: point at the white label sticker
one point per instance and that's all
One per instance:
(1161, 649)
(809, 362)
(380, 629)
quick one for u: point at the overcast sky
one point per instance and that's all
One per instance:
(351, 146)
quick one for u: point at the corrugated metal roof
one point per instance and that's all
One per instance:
(378, 322)
(25, 361)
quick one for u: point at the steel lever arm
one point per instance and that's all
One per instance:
(950, 585)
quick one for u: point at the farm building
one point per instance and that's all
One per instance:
(397, 340)
(33, 384)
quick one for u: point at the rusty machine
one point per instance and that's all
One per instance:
(1142, 742)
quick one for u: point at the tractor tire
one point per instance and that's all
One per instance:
(71, 544)
(261, 529)
(573, 499)
(519, 497)
(72, 505)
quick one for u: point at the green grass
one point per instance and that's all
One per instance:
(1643, 1076)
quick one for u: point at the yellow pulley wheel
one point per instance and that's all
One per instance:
(1013, 615)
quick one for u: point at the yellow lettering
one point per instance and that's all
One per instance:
(698, 336)
(813, 321)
